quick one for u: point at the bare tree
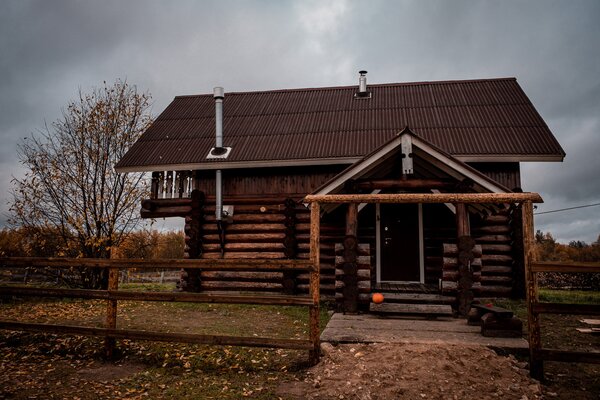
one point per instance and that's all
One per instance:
(71, 185)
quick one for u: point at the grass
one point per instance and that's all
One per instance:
(148, 287)
(519, 307)
(164, 370)
(558, 331)
(181, 371)
(569, 296)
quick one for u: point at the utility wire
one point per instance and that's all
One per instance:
(565, 209)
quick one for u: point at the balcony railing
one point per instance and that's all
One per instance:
(172, 184)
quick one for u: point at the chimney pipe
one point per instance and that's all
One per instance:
(362, 82)
(219, 95)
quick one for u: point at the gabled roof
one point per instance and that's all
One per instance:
(421, 149)
(476, 120)
(423, 153)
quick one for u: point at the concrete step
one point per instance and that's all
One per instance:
(417, 298)
(424, 310)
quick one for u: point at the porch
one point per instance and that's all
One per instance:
(369, 328)
(466, 250)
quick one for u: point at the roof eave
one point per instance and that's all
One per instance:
(510, 157)
(238, 164)
(325, 161)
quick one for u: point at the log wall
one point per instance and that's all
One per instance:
(263, 227)
(492, 233)
(363, 275)
(291, 182)
(259, 229)
(267, 223)
(439, 227)
(505, 173)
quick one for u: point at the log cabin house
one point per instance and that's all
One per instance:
(237, 168)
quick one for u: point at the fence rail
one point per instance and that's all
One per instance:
(204, 264)
(112, 295)
(538, 354)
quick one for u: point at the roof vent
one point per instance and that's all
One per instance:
(219, 152)
(362, 93)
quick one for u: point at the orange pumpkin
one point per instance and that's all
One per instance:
(377, 298)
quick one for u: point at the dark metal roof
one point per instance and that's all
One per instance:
(475, 120)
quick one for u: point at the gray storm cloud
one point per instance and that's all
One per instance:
(50, 49)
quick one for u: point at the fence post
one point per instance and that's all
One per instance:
(536, 366)
(111, 312)
(315, 256)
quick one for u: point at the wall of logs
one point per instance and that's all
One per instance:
(272, 227)
(267, 228)
(352, 282)
(493, 233)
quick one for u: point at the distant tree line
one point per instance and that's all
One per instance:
(45, 242)
(548, 249)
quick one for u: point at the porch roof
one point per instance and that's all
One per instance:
(427, 157)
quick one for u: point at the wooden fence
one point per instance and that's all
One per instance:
(112, 295)
(538, 354)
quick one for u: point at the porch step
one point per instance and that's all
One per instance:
(424, 310)
(417, 298)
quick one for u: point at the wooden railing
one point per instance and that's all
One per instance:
(112, 295)
(171, 184)
(537, 353)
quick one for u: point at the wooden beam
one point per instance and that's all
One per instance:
(158, 296)
(463, 227)
(205, 264)
(350, 268)
(536, 366)
(568, 356)
(426, 198)
(374, 184)
(567, 267)
(111, 313)
(166, 212)
(153, 204)
(315, 258)
(563, 308)
(352, 219)
(451, 249)
(159, 336)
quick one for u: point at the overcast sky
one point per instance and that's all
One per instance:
(49, 49)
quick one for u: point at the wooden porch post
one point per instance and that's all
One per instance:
(536, 366)
(350, 277)
(465, 245)
(315, 286)
(463, 227)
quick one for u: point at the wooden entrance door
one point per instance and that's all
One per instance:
(400, 243)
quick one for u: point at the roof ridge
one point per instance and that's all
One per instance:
(326, 88)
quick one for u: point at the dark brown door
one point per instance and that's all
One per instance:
(399, 224)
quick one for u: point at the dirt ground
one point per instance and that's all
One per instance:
(43, 366)
(70, 369)
(414, 371)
